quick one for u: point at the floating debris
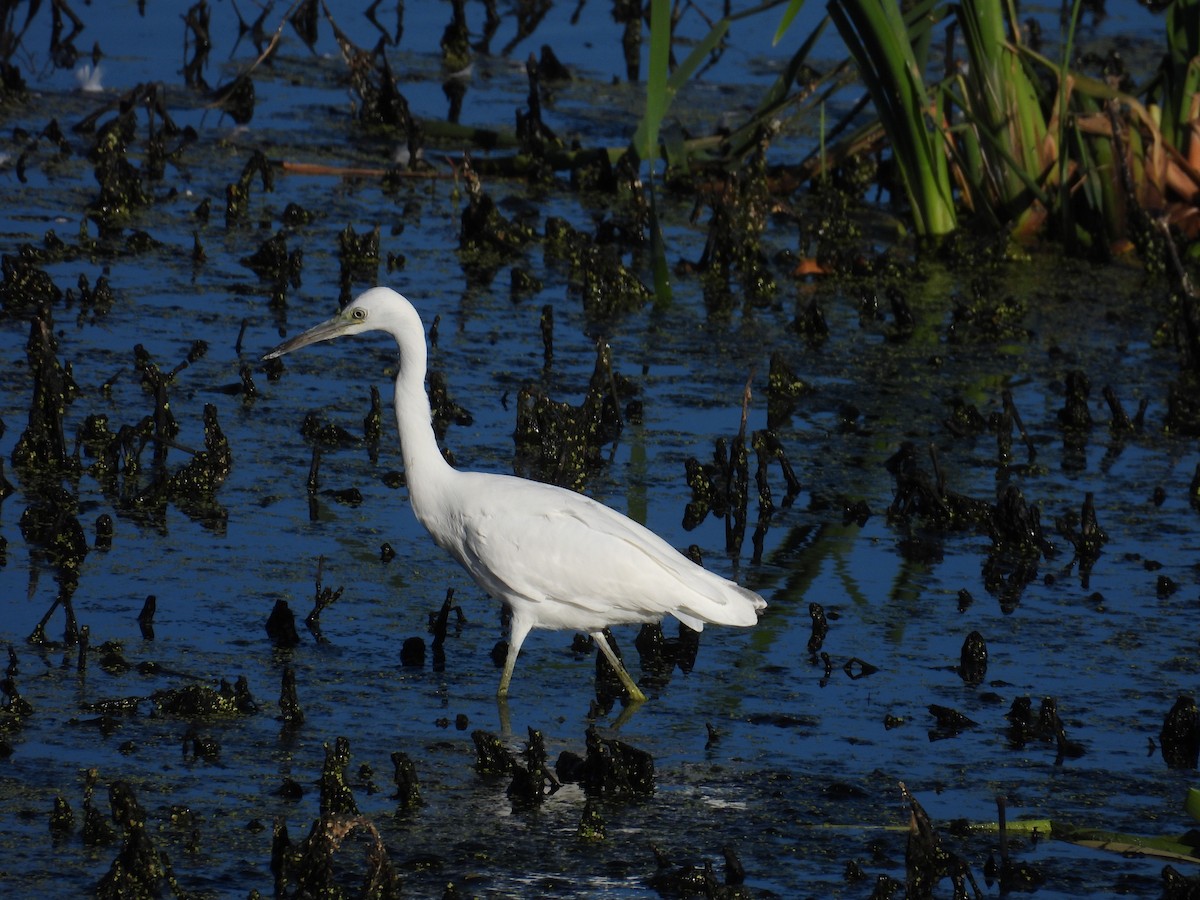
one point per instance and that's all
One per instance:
(281, 625)
(659, 655)
(1090, 538)
(485, 234)
(308, 869)
(1183, 403)
(445, 411)
(412, 653)
(536, 138)
(965, 419)
(289, 701)
(456, 39)
(326, 434)
(275, 265)
(1013, 876)
(972, 666)
(201, 747)
(1179, 738)
(927, 861)
(561, 444)
(983, 315)
(784, 388)
(408, 789)
(358, 260)
(740, 204)
(42, 445)
(104, 532)
(49, 526)
(199, 701)
(193, 486)
(15, 708)
(1076, 413)
(237, 194)
(236, 99)
(950, 722)
(606, 286)
(140, 869)
(699, 879)
(591, 823)
(532, 779)
(1177, 886)
(337, 800)
(1050, 727)
(820, 627)
(614, 768)
(62, 818)
(491, 756)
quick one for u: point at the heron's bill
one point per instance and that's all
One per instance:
(326, 331)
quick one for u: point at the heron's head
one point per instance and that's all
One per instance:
(379, 309)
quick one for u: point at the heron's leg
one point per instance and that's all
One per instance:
(518, 631)
(635, 693)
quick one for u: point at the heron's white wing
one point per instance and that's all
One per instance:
(580, 563)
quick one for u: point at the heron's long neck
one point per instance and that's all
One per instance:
(424, 466)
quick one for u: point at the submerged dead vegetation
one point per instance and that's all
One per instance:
(924, 308)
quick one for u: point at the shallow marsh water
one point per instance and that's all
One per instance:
(803, 778)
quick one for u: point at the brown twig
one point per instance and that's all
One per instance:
(306, 168)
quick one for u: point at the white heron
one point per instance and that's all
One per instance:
(556, 558)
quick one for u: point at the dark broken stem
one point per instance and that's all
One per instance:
(160, 424)
(320, 573)
(59, 9)
(314, 472)
(612, 386)
(324, 597)
(146, 617)
(762, 454)
(738, 493)
(275, 38)
(547, 324)
(747, 395)
(1011, 408)
(175, 445)
(1001, 818)
(1181, 274)
(785, 466)
(85, 636)
(237, 346)
(1139, 418)
(939, 477)
(443, 619)
(1089, 525)
(38, 636)
(1120, 421)
(1062, 745)
(740, 453)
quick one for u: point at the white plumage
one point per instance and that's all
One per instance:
(556, 558)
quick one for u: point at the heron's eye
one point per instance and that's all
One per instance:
(358, 313)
